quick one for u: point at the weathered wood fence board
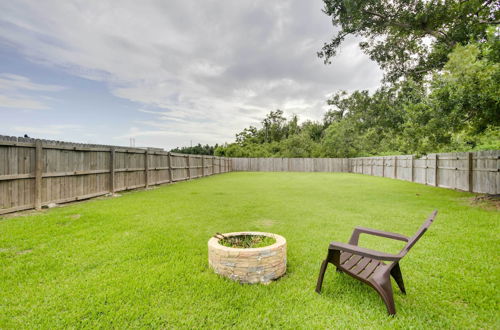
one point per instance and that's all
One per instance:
(290, 164)
(469, 171)
(34, 173)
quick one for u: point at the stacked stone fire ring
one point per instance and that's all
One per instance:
(248, 265)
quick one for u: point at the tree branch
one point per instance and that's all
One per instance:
(435, 33)
(385, 18)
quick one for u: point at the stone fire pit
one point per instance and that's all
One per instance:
(248, 265)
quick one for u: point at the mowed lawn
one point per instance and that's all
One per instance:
(140, 260)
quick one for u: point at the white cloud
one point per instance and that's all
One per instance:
(50, 130)
(12, 97)
(212, 67)
(20, 103)
(15, 82)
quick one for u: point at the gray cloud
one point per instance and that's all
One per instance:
(206, 69)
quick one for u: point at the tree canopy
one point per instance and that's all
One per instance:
(409, 38)
(196, 150)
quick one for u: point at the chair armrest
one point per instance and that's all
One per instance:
(361, 230)
(374, 254)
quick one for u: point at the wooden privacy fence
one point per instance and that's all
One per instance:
(34, 173)
(470, 171)
(291, 164)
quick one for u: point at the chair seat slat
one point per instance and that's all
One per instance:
(360, 266)
(344, 256)
(352, 262)
(369, 269)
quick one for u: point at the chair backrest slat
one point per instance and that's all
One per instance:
(421, 231)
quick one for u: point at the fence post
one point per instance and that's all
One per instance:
(426, 167)
(170, 167)
(411, 168)
(188, 167)
(112, 170)
(436, 167)
(202, 165)
(395, 167)
(470, 169)
(38, 173)
(146, 169)
(220, 167)
(371, 166)
(383, 166)
(213, 165)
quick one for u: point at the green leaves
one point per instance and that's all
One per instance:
(468, 88)
(408, 39)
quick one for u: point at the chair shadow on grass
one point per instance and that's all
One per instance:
(341, 288)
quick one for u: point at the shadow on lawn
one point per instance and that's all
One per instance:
(347, 291)
(487, 202)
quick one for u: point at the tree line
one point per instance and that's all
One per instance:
(196, 150)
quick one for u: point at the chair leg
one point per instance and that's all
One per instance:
(398, 277)
(384, 289)
(321, 275)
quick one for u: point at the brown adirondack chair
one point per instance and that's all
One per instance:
(368, 265)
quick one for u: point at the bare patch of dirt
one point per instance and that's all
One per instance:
(72, 218)
(266, 222)
(45, 209)
(24, 252)
(489, 202)
(21, 214)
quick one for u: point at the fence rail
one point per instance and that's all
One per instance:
(469, 171)
(34, 173)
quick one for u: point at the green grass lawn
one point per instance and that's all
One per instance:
(140, 260)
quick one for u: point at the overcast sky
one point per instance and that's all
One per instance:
(166, 72)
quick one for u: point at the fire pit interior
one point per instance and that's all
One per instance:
(246, 241)
(248, 257)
